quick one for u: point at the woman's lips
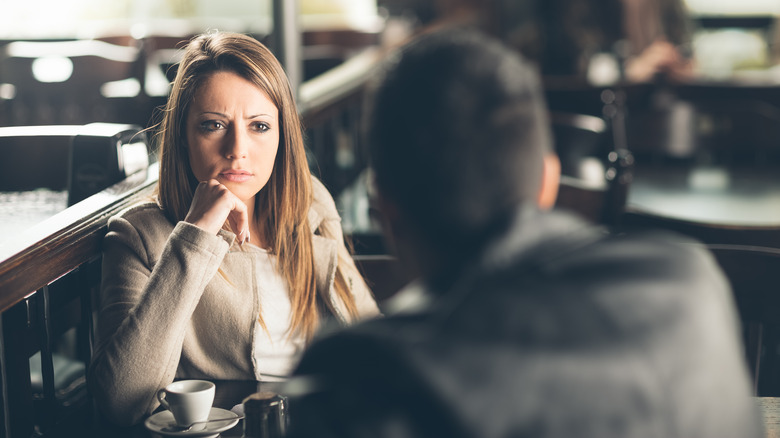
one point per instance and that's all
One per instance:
(236, 175)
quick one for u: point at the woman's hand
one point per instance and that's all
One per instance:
(213, 204)
(660, 57)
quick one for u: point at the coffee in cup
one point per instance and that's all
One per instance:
(189, 401)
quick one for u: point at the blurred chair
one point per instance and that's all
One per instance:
(102, 154)
(752, 272)
(69, 82)
(82, 159)
(660, 127)
(705, 124)
(575, 95)
(161, 54)
(383, 274)
(737, 124)
(161, 66)
(35, 157)
(46, 169)
(595, 174)
(324, 49)
(47, 345)
(616, 103)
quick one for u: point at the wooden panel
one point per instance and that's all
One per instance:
(19, 343)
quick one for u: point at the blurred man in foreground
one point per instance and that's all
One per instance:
(526, 322)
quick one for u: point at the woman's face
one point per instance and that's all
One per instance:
(232, 134)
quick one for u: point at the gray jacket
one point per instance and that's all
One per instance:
(556, 330)
(178, 302)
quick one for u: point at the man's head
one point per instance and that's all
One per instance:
(459, 138)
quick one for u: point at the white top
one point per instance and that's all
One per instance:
(275, 353)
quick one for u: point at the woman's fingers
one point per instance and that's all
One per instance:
(213, 204)
(239, 221)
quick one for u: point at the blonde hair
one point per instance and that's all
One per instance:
(282, 205)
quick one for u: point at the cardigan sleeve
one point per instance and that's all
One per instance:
(146, 301)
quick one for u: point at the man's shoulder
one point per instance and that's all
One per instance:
(634, 263)
(559, 242)
(590, 307)
(567, 245)
(375, 371)
(659, 254)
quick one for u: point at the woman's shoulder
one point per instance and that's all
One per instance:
(145, 210)
(145, 216)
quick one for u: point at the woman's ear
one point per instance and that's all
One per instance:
(551, 178)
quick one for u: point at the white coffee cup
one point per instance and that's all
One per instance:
(189, 401)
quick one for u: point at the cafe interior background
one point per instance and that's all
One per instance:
(701, 156)
(733, 43)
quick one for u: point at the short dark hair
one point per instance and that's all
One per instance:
(457, 130)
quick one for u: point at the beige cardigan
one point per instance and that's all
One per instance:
(166, 313)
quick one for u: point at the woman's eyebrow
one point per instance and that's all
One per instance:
(254, 116)
(216, 113)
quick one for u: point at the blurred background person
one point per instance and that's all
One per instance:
(643, 37)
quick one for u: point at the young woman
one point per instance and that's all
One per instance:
(239, 260)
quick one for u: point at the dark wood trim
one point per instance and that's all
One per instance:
(65, 241)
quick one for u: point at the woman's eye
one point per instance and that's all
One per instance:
(260, 126)
(211, 125)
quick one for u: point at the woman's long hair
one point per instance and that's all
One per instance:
(282, 205)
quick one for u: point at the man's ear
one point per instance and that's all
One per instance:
(551, 178)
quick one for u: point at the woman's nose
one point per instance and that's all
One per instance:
(236, 145)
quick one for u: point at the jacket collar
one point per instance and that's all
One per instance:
(536, 235)
(533, 237)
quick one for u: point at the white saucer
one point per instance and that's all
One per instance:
(163, 421)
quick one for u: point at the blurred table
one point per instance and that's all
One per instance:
(734, 196)
(229, 393)
(232, 392)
